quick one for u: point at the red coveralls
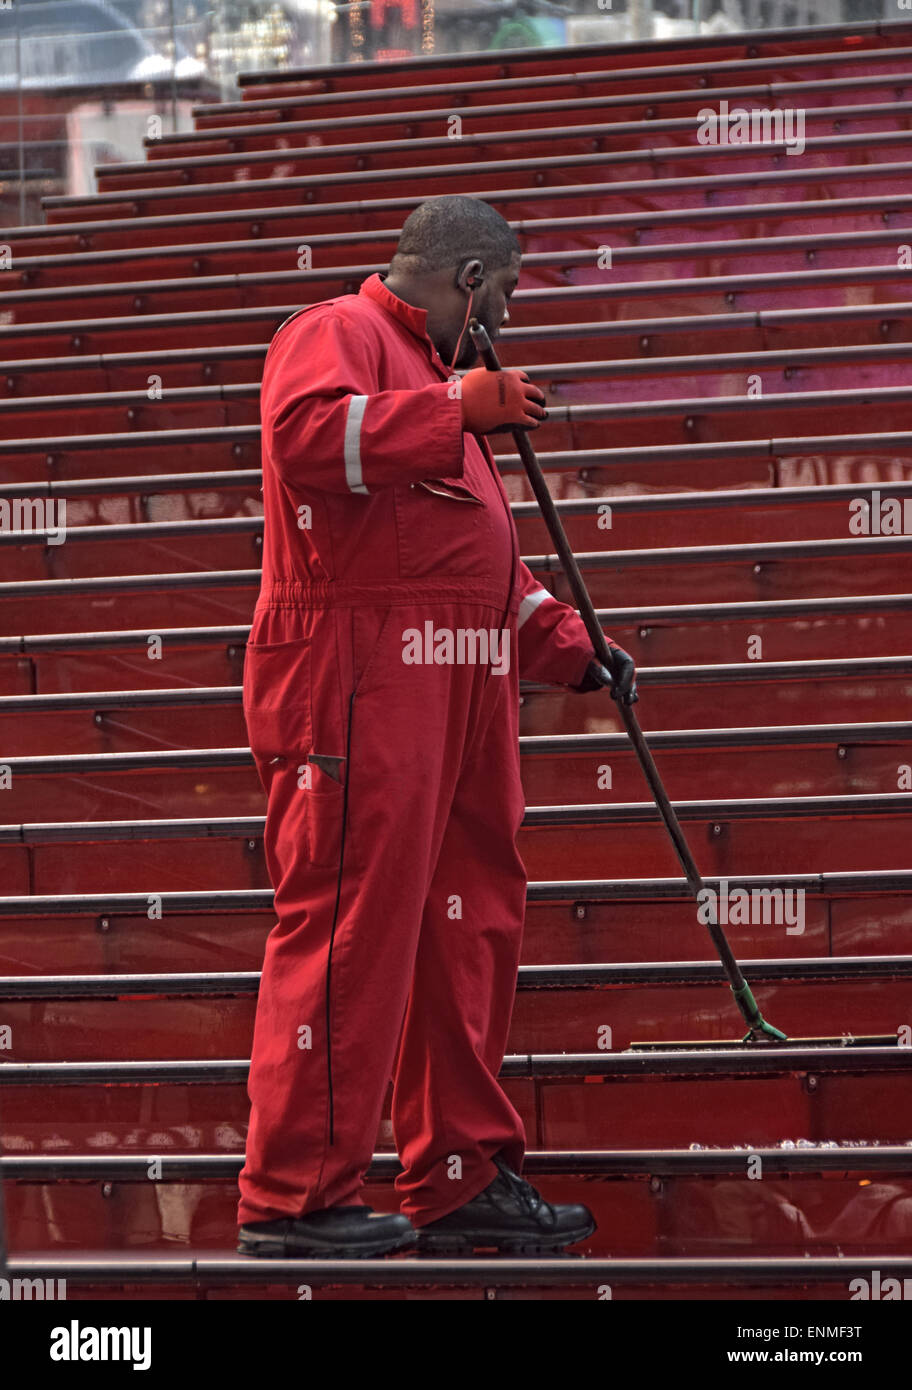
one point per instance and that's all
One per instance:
(399, 892)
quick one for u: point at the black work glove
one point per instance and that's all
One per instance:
(622, 677)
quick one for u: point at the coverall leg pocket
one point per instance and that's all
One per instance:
(324, 814)
(277, 708)
(278, 705)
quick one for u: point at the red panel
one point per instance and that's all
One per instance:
(204, 605)
(522, 109)
(156, 1119)
(748, 1112)
(159, 555)
(790, 770)
(855, 696)
(641, 1218)
(121, 942)
(432, 179)
(631, 1114)
(592, 933)
(138, 1028)
(744, 581)
(133, 727)
(809, 844)
(565, 134)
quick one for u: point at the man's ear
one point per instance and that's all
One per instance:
(470, 275)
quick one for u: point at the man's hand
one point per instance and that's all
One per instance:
(498, 400)
(622, 677)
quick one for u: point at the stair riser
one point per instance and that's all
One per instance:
(392, 126)
(636, 1218)
(261, 1285)
(509, 141)
(757, 172)
(687, 63)
(843, 574)
(737, 772)
(604, 338)
(851, 698)
(555, 933)
(630, 295)
(805, 844)
(882, 631)
(175, 1118)
(818, 514)
(676, 68)
(248, 258)
(555, 168)
(138, 1029)
(793, 216)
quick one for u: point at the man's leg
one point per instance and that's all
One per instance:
(450, 1114)
(338, 965)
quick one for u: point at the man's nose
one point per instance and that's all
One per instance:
(506, 316)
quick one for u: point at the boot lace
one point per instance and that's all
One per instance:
(529, 1200)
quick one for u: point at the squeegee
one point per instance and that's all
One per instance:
(758, 1028)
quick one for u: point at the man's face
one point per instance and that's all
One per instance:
(489, 306)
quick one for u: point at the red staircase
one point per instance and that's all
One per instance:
(729, 384)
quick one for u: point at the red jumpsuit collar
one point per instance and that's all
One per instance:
(413, 318)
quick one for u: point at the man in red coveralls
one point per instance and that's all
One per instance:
(381, 688)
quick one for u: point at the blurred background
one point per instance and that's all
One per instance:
(82, 82)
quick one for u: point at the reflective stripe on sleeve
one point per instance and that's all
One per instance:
(352, 445)
(530, 603)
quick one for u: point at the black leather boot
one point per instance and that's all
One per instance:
(338, 1233)
(509, 1215)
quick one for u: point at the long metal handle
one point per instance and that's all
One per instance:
(740, 988)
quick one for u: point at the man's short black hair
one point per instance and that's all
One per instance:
(448, 230)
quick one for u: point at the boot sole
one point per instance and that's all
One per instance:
(266, 1247)
(457, 1242)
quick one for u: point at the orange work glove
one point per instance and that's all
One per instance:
(496, 400)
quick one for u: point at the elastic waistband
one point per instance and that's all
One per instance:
(295, 593)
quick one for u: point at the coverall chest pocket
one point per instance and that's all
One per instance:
(445, 531)
(304, 796)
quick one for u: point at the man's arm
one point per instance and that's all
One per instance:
(554, 645)
(327, 426)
